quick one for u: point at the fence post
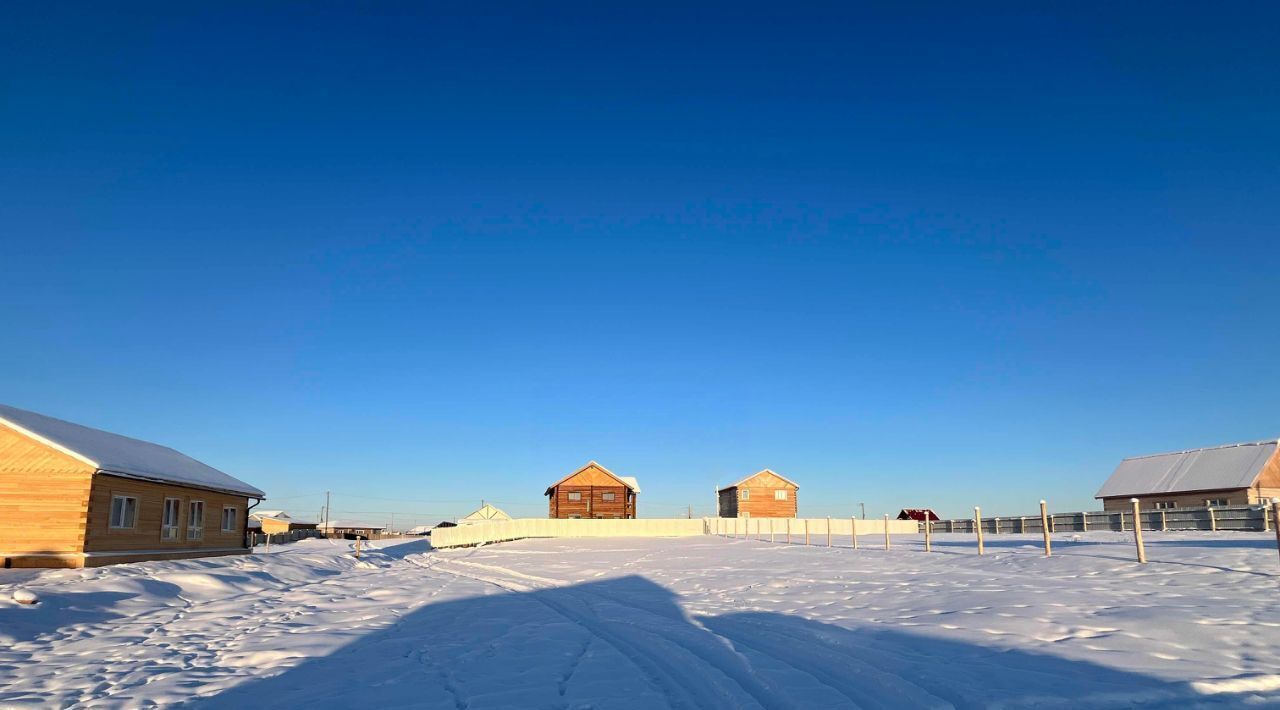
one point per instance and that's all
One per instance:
(1084, 521)
(788, 531)
(886, 531)
(1213, 521)
(1137, 531)
(1275, 511)
(853, 530)
(1022, 524)
(268, 542)
(928, 533)
(828, 531)
(770, 529)
(1164, 523)
(1044, 526)
(806, 531)
(1122, 521)
(997, 525)
(1266, 520)
(759, 537)
(977, 525)
(357, 548)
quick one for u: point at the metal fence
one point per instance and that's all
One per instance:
(1237, 518)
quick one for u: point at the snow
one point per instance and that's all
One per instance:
(651, 623)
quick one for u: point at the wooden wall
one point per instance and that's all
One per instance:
(761, 501)
(1238, 496)
(43, 496)
(592, 483)
(146, 533)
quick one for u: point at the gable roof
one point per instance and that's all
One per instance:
(1219, 467)
(757, 473)
(120, 455)
(485, 512)
(279, 514)
(628, 481)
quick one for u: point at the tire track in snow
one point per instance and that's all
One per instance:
(691, 666)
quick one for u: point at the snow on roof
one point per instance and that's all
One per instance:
(1219, 467)
(631, 482)
(757, 473)
(120, 455)
(280, 514)
(486, 512)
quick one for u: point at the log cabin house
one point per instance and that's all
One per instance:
(1236, 474)
(74, 496)
(593, 491)
(765, 494)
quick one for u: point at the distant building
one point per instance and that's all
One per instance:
(920, 514)
(352, 529)
(425, 530)
(593, 491)
(1237, 474)
(765, 494)
(485, 513)
(74, 496)
(278, 521)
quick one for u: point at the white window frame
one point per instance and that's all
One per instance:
(235, 518)
(195, 524)
(609, 496)
(745, 494)
(780, 494)
(1166, 504)
(575, 496)
(171, 530)
(124, 508)
(1217, 502)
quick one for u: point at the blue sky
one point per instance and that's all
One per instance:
(421, 255)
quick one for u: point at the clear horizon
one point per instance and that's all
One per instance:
(422, 256)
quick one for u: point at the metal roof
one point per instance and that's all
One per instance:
(120, 455)
(1220, 467)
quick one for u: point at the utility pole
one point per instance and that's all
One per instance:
(393, 523)
(863, 506)
(326, 511)
(688, 512)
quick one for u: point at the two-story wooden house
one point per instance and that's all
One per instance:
(761, 495)
(593, 491)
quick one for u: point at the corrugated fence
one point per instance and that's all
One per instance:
(1239, 518)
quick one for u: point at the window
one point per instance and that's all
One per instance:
(608, 496)
(124, 512)
(229, 519)
(195, 520)
(169, 519)
(746, 494)
(1166, 505)
(780, 495)
(1216, 502)
(575, 516)
(575, 495)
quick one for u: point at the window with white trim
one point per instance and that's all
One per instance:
(229, 516)
(124, 512)
(575, 495)
(195, 520)
(780, 494)
(1166, 504)
(169, 518)
(1216, 502)
(746, 494)
(608, 497)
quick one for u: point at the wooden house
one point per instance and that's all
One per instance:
(593, 491)
(352, 529)
(1236, 474)
(917, 514)
(73, 496)
(765, 494)
(484, 514)
(278, 521)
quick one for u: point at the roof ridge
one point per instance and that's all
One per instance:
(1203, 448)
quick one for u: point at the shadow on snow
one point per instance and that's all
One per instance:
(626, 643)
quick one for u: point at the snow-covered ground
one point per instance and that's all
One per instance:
(649, 623)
